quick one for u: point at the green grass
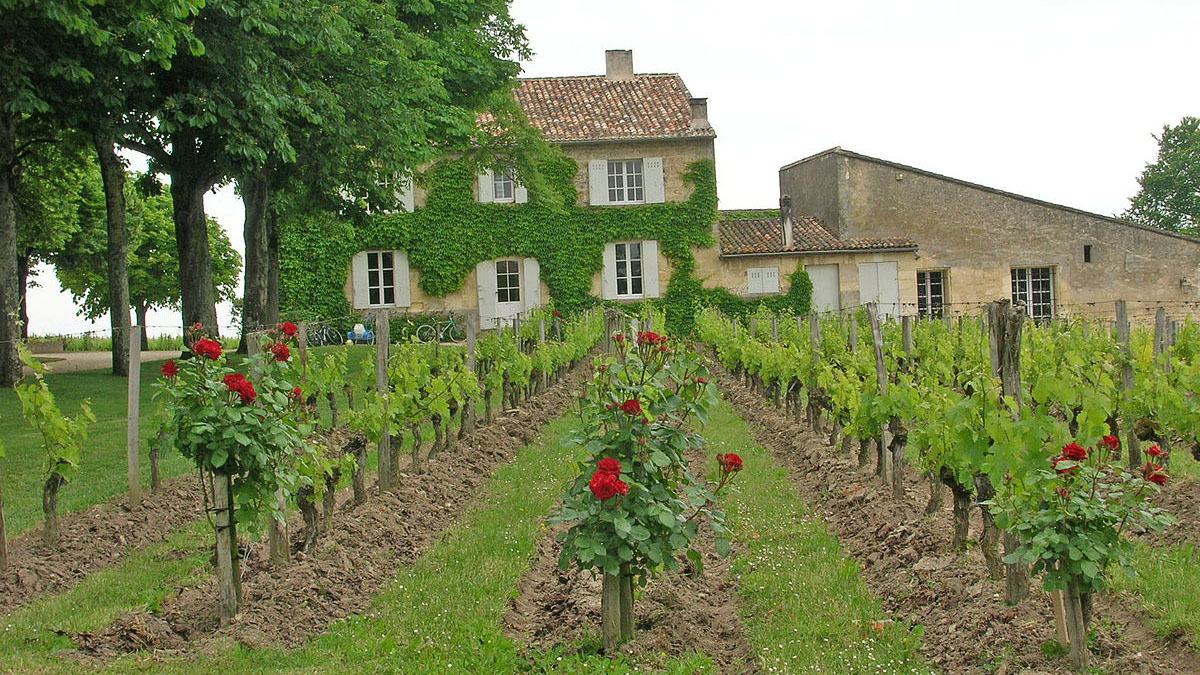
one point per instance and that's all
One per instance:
(806, 609)
(1167, 580)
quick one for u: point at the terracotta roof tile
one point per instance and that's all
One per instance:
(590, 108)
(765, 235)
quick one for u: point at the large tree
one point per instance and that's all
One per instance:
(153, 281)
(1170, 194)
(48, 50)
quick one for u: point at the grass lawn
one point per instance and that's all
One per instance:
(806, 609)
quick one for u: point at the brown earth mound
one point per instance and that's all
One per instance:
(285, 606)
(907, 562)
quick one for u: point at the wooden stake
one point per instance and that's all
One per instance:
(1133, 449)
(302, 346)
(774, 329)
(1005, 324)
(383, 340)
(228, 575)
(132, 429)
(610, 612)
(881, 468)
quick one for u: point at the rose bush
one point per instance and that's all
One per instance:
(637, 507)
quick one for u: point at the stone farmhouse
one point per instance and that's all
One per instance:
(864, 229)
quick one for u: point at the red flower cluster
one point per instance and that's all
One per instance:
(1155, 451)
(1154, 472)
(288, 328)
(729, 463)
(297, 392)
(238, 384)
(169, 369)
(619, 337)
(606, 483)
(652, 339)
(1111, 442)
(557, 313)
(208, 348)
(1075, 452)
(631, 407)
(281, 351)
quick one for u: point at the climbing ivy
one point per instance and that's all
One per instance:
(452, 233)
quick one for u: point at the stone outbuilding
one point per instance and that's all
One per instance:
(978, 243)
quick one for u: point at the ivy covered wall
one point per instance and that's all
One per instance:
(447, 237)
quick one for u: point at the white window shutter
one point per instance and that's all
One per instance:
(487, 187)
(770, 280)
(754, 280)
(358, 278)
(652, 174)
(531, 277)
(403, 293)
(598, 184)
(608, 276)
(407, 196)
(520, 193)
(650, 268)
(485, 280)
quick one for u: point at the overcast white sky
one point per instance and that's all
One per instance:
(1053, 99)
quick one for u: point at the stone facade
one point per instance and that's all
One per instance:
(676, 154)
(977, 235)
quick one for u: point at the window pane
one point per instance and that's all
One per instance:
(637, 286)
(622, 286)
(636, 268)
(388, 280)
(373, 296)
(621, 269)
(635, 250)
(389, 295)
(385, 260)
(620, 248)
(373, 261)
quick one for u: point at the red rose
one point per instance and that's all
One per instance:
(208, 348)
(238, 384)
(169, 369)
(662, 348)
(297, 392)
(288, 328)
(650, 338)
(729, 462)
(610, 465)
(1154, 451)
(1158, 478)
(1074, 452)
(605, 485)
(197, 326)
(557, 313)
(281, 352)
(619, 337)
(1154, 473)
(1064, 493)
(631, 407)
(1111, 442)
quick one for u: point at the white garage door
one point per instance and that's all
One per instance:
(880, 283)
(826, 295)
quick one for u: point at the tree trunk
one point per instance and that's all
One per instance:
(271, 312)
(50, 509)
(10, 293)
(358, 446)
(142, 308)
(23, 264)
(253, 187)
(112, 171)
(989, 541)
(198, 293)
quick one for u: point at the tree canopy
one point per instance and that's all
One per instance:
(1169, 198)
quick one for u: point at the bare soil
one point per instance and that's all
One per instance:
(284, 607)
(676, 613)
(96, 538)
(907, 562)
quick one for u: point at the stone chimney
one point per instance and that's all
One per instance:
(699, 113)
(785, 221)
(618, 64)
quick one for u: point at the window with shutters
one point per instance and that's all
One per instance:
(761, 280)
(625, 182)
(503, 188)
(629, 269)
(508, 281)
(1035, 287)
(381, 277)
(931, 293)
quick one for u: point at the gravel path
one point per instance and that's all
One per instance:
(70, 362)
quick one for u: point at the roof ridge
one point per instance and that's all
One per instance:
(599, 77)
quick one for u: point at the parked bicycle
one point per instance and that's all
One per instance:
(447, 331)
(323, 335)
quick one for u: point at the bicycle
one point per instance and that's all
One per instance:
(442, 332)
(323, 335)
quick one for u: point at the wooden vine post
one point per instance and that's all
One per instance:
(545, 379)
(277, 537)
(133, 470)
(882, 454)
(229, 585)
(383, 338)
(468, 412)
(774, 329)
(1005, 324)
(1133, 449)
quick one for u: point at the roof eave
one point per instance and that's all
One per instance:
(889, 249)
(633, 139)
